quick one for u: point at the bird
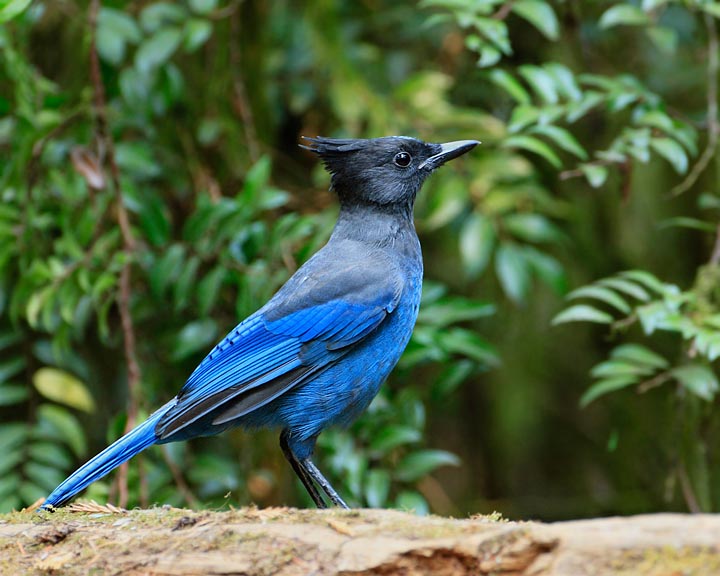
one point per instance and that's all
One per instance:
(316, 354)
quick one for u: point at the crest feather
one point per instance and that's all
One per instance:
(332, 146)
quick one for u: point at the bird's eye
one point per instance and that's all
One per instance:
(403, 159)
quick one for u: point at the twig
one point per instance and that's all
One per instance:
(577, 173)
(687, 490)
(712, 111)
(105, 143)
(503, 11)
(240, 100)
(654, 382)
(179, 480)
(715, 256)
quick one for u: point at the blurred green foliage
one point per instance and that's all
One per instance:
(165, 199)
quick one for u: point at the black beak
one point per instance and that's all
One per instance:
(448, 151)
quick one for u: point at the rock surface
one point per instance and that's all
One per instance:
(168, 541)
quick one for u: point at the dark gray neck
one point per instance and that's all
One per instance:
(379, 225)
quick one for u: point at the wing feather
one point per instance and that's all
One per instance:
(314, 320)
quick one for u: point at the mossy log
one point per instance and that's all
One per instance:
(93, 539)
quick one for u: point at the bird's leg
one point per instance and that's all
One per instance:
(316, 475)
(300, 470)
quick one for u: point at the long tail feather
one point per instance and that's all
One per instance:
(120, 451)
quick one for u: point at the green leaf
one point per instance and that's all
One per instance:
(698, 379)
(203, 6)
(454, 374)
(509, 83)
(712, 8)
(562, 138)
(495, 31)
(541, 82)
(409, 500)
(11, 394)
(654, 316)
(540, 14)
(11, 367)
(629, 288)
(392, 436)
(196, 33)
(13, 435)
(477, 240)
(656, 119)
(564, 81)
(532, 227)
(489, 56)
(595, 174)
(605, 386)
(672, 152)
(158, 49)
(452, 310)
(589, 100)
(167, 269)
(603, 294)
(60, 423)
(513, 271)
(548, 269)
(10, 9)
(50, 453)
(706, 201)
(687, 222)
(468, 343)
(9, 339)
(138, 159)
(523, 116)
(650, 281)
(208, 289)
(30, 492)
(194, 337)
(11, 462)
(64, 388)
(615, 368)
(623, 14)
(154, 220)
(256, 180)
(48, 477)
(116, 30)
(159, 14)
(418, 464)
(649, 5)
(582, 313)
(707, 343)
(185, 285)
(640, 355)
(432, 292)
(377, 488)
(532, 144)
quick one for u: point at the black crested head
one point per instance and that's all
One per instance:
(382, 171)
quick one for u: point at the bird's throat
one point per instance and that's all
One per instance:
(375, 223)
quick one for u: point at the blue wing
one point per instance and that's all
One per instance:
(314, 320)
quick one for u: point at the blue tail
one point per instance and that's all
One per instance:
(120, 451)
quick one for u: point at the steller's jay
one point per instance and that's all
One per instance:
(316, 354)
